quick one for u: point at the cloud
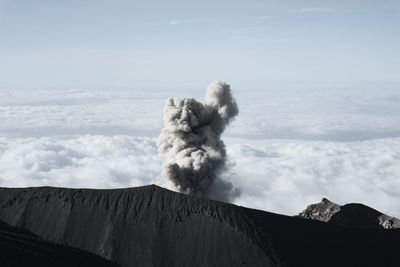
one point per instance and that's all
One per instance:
(85, 161)
(285, 176)
(288, 148)
(27, 113)
(315, 10)
(328, 115)
(273, 175)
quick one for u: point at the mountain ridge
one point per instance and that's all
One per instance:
(152, 226)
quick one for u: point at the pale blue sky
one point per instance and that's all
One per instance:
(169, 44)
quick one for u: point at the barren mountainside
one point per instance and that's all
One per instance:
(20, 248)
(152, 226)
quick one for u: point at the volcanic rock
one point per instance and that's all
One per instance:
(21, 248)
(152, 226)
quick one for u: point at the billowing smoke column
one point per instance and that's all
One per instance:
(191, 139)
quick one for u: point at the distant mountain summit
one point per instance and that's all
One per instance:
(354, 214)
(322, 211)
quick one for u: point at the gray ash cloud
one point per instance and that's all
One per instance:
(191, 140)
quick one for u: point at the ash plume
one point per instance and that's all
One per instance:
(191, 140)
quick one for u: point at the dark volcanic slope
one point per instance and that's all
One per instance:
(20, 248)
(151, 226)
(357, 215)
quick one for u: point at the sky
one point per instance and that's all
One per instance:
(83, 85)
(253, 44)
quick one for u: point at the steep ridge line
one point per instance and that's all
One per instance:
(152, 226)
(108, 211)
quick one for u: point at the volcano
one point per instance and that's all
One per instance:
(152, 226)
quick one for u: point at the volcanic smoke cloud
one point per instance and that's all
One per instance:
(191, 139)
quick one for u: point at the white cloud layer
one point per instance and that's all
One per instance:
(86, 161)
(285, 176)
(287, 148)
(328, 115)
(273, 175)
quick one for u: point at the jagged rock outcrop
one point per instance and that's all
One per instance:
(356, 215)
(20, 248)
(151, 226)
(322, 211)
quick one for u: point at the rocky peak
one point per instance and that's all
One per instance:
(353, 214)
(322, 211)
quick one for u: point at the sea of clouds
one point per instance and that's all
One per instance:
(287, 148)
